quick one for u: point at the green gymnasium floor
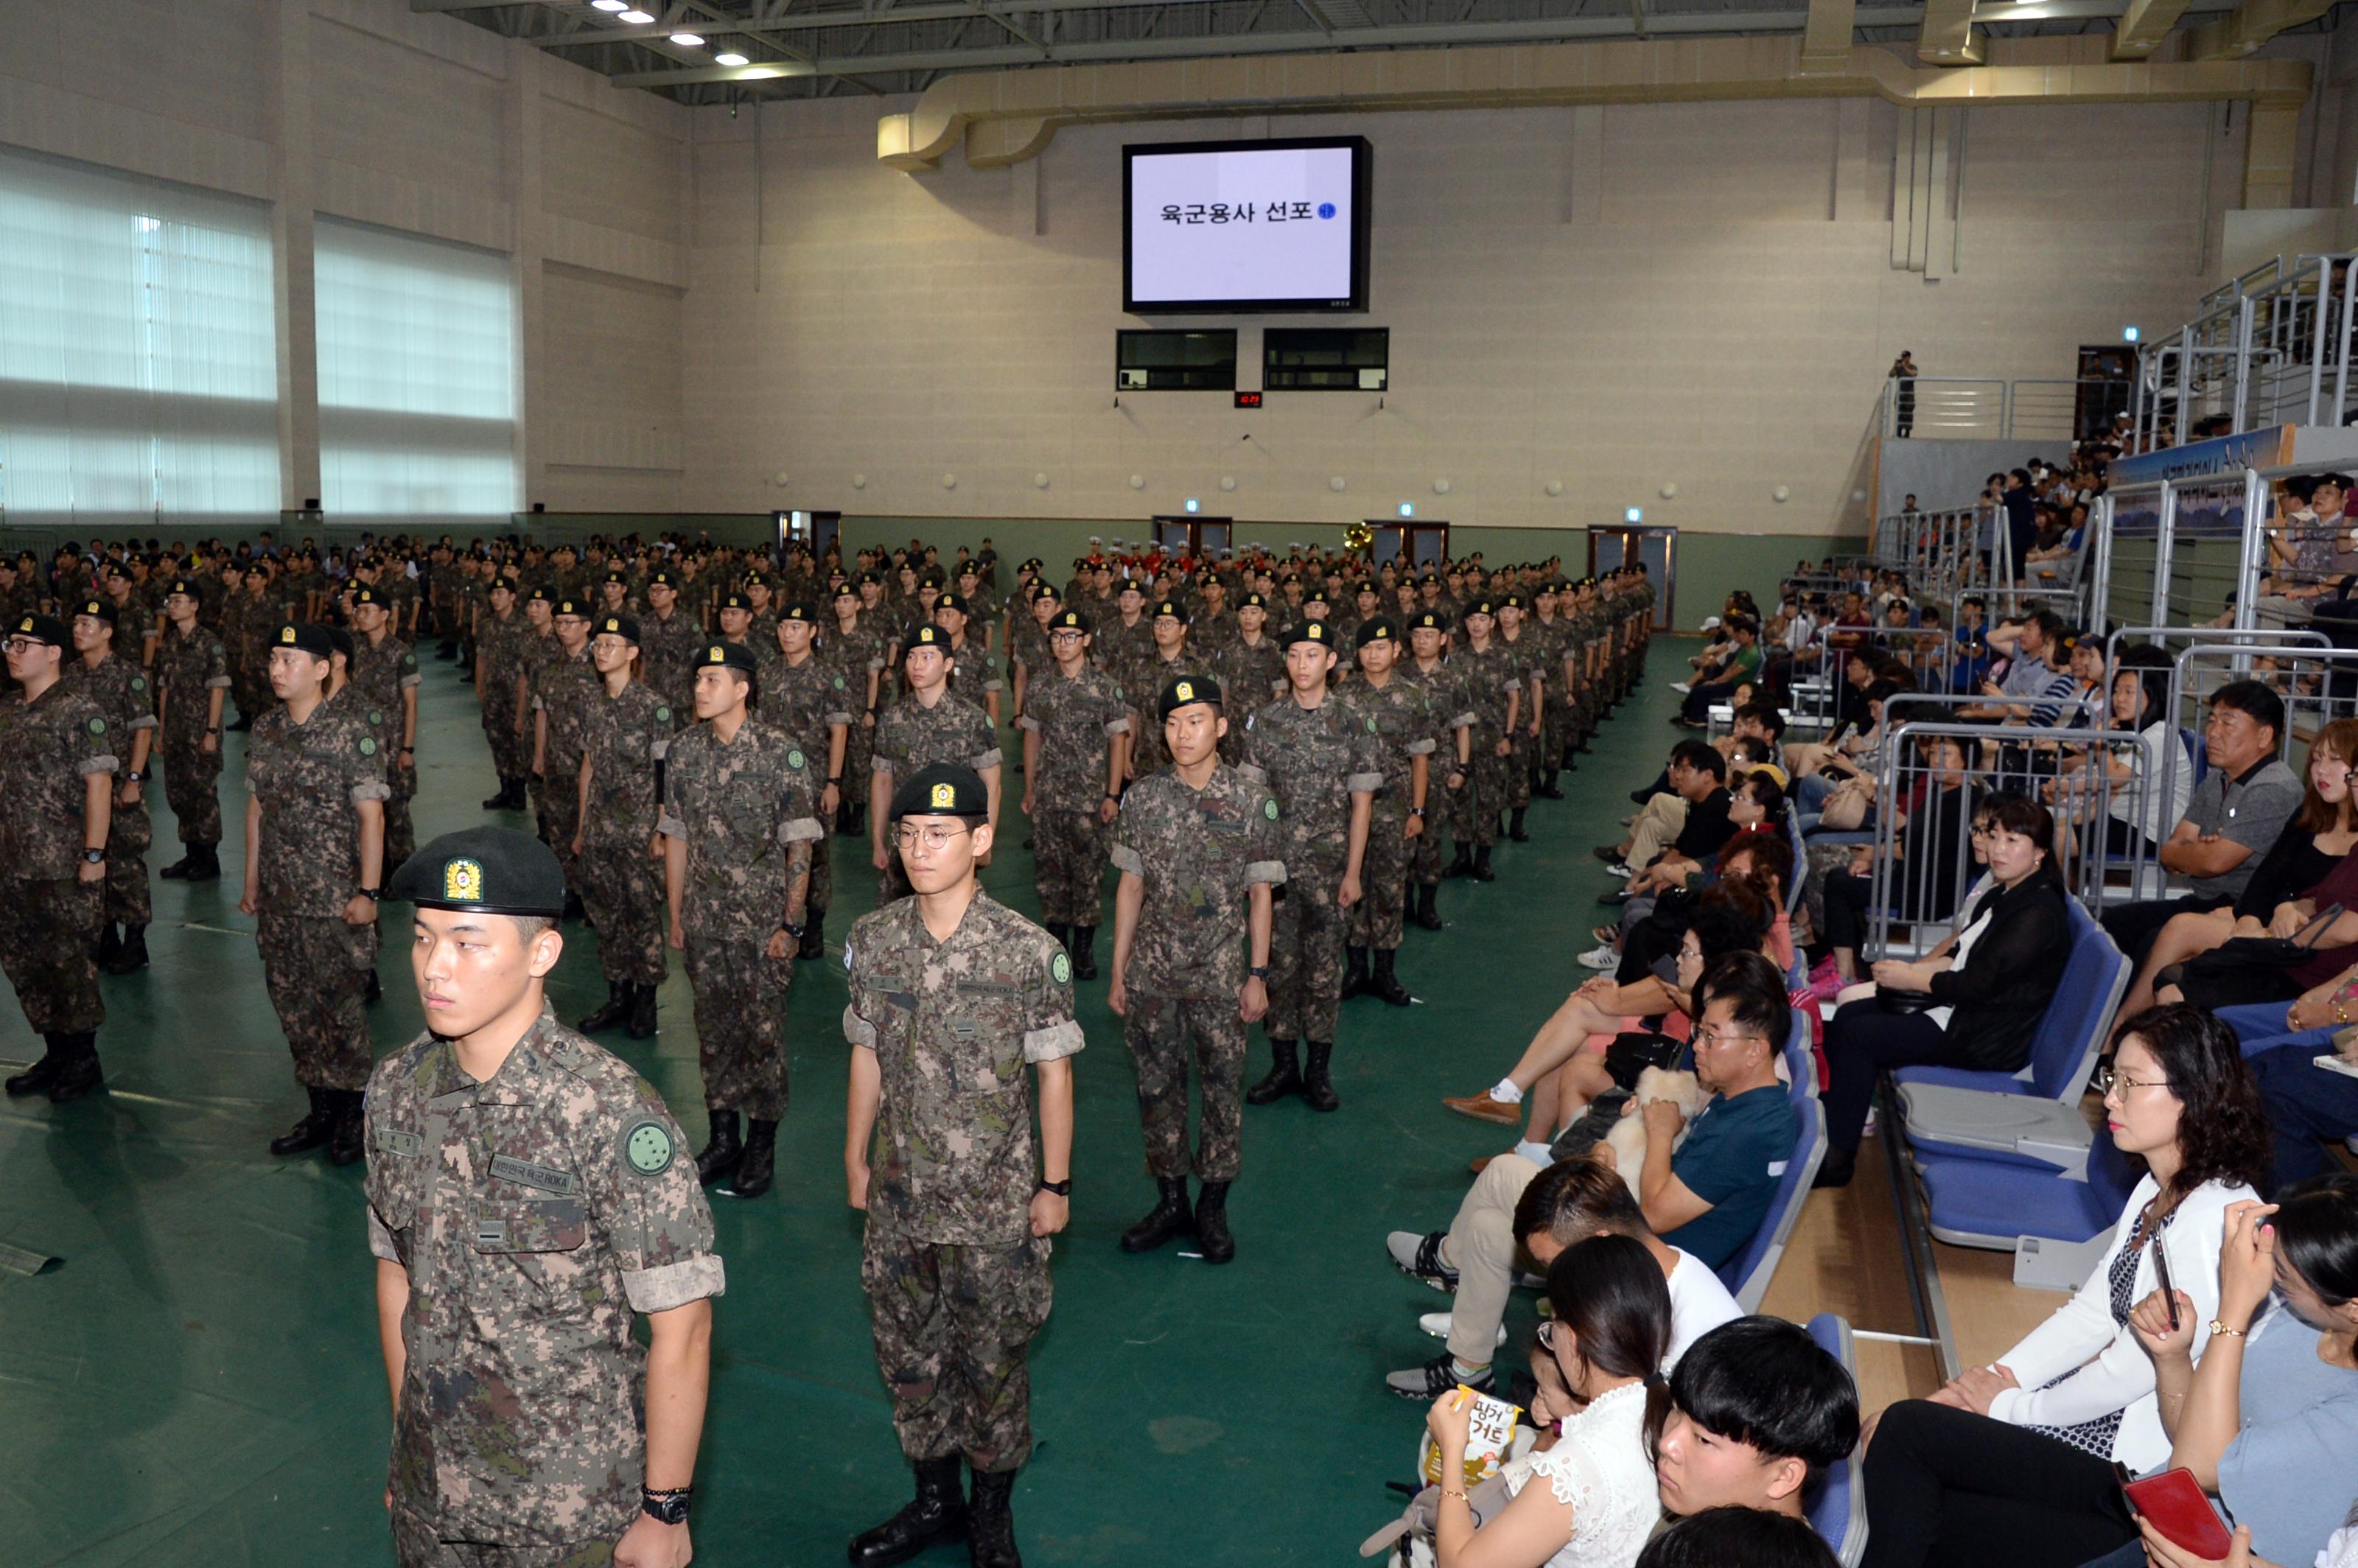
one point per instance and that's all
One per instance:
(199, 1383)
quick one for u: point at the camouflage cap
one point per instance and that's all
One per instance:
(1187, 690)
(498, 870)
(940, 789)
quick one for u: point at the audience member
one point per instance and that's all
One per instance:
(1737, 1537)
(1758, 1414)
(1929, 857)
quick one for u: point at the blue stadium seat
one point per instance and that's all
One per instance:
(1839, 1512)
(1747, 1274)
(2196, 749)
(1980, 1202)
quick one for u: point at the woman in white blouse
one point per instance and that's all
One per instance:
(1609, 1335)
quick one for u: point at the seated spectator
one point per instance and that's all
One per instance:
(1926, 860)
(1737, 1537)
(1516, 1203)
(2310, 867)
(1755, 799)
(2232, 820)
(1742, 663)
(2014, 1462)
(1650, 928)
(2308, 1105)
(1752, 721)
(1609, 1331)
(2301, 550)
(1758, 1414)
(1847, 767)
(1971, 666)
(1987, 994)
(1691, 818)
(2032, 689)
(2138, 812)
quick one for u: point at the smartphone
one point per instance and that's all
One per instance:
(2161, 1277)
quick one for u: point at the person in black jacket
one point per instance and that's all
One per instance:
(1930, 856)
(1988, 993)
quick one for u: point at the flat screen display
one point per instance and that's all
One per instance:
(1218, 227)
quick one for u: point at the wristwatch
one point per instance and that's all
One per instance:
(94, 857)
(1259, 971)
(135, 777)
(1416, 811)
(374, 895)
(1063, 1189)
(666, 1507)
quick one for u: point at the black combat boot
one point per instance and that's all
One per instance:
(1212, 1237)
(935, 1518)
(1084, 950)
(178, 870)
(617, 1008)
(108, 943)
(758, 1167)
(814, 942)
(642, 1026)
(244, 722)
(130, 954)
(1428, 918)
(37, 1078)
(1482, 871)
(1284, 1076)
(208, 863)
(1515, 826)
(990, 1522)
(1167, 1220)
(373, 991)
(1355, 971)
(1462, 866)
(721, 1150)
(1547, 790)
(1318, 1087)
(344, 1138)
(573, 909)
(1384, 985)
(79, 1073)
(311, 1132)
(499, 801)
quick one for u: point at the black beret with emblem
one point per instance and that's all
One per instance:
(800, 610)
(540, 596)
(1185, 690)
(498, 870)
(870, 579)
(928, 636)
(1513, 600)
(97, 609)
(573, 607)
(365, 595)
(734, 602)
(940, 789)
(1070, 621)
(1252, 601)
(1428, 620)
(1171, 608)
(189, 587)
(1377, 628)
(951, 602)
(662, 578)
(307, 636)
(621, 626)
(845, 587)
(1481, 607)
(728, 655)
(43, 628)
(1309, 631)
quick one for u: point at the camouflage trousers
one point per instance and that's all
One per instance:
(1556, 732)
(1159, 1032)
(1377, 918)
(560, 811)
(1474, 807)
(1424, 850)
(48, 928)
(249, 687)
(622, 889)
(953, 1325)
(1068, 859)
(316, 968)
(821, 892)
(1518, 768)
(1305, 950)
(741, 1009)
(417, 1544)
(859, 760)
(400, 832)
(510, 755)
(190, 779)
(128, 834)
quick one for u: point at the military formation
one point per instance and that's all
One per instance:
(1267, 751)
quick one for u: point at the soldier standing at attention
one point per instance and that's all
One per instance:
(668, 638)
(57, 799)
(802, 697)
(1251, 664)
(1028, 654)
(1527, 662)
(561, 699)
(856, 650)
(1166, 657)
(502, 691)
(539, 650)
(969, 657)
(118, 688)
(384, 673)
(1075, 729)
(739, 823)
(931, 725)
(624, 739)
(1200, 853)
(314, 869)
(1491, 690)
(1393, 712)
(953, 995)
(1431, 675)
(1324, 767)
(526, 1201)
(191, 680)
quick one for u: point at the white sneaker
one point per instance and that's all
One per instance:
(1602, 958)
(1681, 687)
(1437, 1324)
(1620, 870)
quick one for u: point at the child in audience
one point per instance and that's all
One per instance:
(1737, 1537)
(1758, 1414)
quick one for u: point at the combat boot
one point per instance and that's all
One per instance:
(1212, 1237)
(642, 1026)
(757, 1167)
(1547, 790)
(344, 1139)
(37, 1078)
(814, 942)
(130, 954)
(617, 1008)
(1428, 918)
(1317, 1086)
(178, 870)
(935, 1518)
(1462, 866)
(311, 1132)
(1355, 971)
(499, 801)
(990, 1522)
(1482, 871)
(208, 863)
(1167, 1220)
(1284, 1076)
(109, 945)
(79, 1073)
(1384, 985)
(1515, 826)
(721, 1150)
(1084, 950)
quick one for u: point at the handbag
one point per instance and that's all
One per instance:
(1893, 1000)
(2258, 952)
(2174, 1502)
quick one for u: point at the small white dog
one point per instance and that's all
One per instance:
(1628, 1139)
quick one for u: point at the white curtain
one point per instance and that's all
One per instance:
(417, 359)
(138, 359)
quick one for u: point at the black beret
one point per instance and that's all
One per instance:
(1171, 608)
(951, 602)
(498, 870)
(1309, 631)
(1185, 690)
(619, 575)
(304, 635)
(193, 589)
(1513, 600)
(1481, 607)
(870, 579)
(366, 595)
(1130, 585)
(572, 607)
(1070, 621)
(928, 636)
(940, 789)
(44, 629)
(846, 585)
(728, 655)
(1252, 601)
(1428, 620)
(621, 626)
(97, 608)
(1376, 629)
(662, 579)
(341, 640)
(734, 602)
(800, 610)
(540, 596)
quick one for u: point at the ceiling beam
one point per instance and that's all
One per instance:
(1947, 36)
(1826, 38)
(2249, 26)
(2143, 26)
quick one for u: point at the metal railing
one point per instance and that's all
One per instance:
(1989, 409)
(2271, 347)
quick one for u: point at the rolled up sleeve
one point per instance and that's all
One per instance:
(1053, 1043)
(674, 1284)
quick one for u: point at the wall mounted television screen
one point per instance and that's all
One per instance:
(1221, 227)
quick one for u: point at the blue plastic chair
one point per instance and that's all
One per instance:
(1838, 1513)
(1747, 1274)
(1983, 1202)
(2071, 1036)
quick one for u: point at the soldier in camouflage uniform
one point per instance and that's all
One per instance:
(1250, 663)
(856, 650)
(255, 619)
(538, 652)
(1028, 655)
(526, 1201)
(499, 690)
(1075, 729)
(1200, 851)
(192, 679)
(624, 737)
(57, 790)
(930, 725)
(1527, 657)
(803, 696)
(385, 675)
(1319, 760)
(668, 637)
(971, 660)
(1550, 625)
(314, 874)
(1490, 688)
(1166, 657)
(563, 694)
(120, 690)
(1429, 672)
(739, 823)
(953, 995)
(1393, 712)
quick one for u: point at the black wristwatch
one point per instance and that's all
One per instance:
(135, 777)
(666, 1507)
(1259, 971)
(374, 895)
(94, 857)
(1063, 1189)
(1416, 811)
(794, 931)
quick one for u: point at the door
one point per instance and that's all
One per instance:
(1418, 545)
(1609, 547)
(1185, 535)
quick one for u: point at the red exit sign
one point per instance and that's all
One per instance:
(1248, 399)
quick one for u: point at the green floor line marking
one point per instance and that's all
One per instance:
(17, 1261)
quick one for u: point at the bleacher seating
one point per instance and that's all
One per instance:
(1749, 1273)
(1838, 1513)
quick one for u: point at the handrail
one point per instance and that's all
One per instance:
(1948, 407)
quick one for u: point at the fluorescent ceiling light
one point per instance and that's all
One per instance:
(729, 57)
(609, 5)
(688, 41)
(636, 19)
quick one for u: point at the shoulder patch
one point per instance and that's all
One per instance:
(1060, 969)
(794, 756)
(139, 683)
(368, 745)
(98, 726)
(647, 1147)
(1373, 728)
(663, 713)
(1268, 808)
(839, 682)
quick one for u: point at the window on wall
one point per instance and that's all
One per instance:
(138, 358)
(418, 365)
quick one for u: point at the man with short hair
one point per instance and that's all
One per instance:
(119, 689)
(191, 681)
(617, 845)
(1394, 713)
(801, 696)
(932, 724)
(1760, 1412)
(384, 674)
(1691, 817)
(1076, 725)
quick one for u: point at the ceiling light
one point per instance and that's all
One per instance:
(729, 57)
(609, 5)
(688, 41)
(636, 19)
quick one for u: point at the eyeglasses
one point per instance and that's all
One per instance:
(1547, 1335)
(2108, 1079)
(933, 838)
(1724, 1037)
(21, 645)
